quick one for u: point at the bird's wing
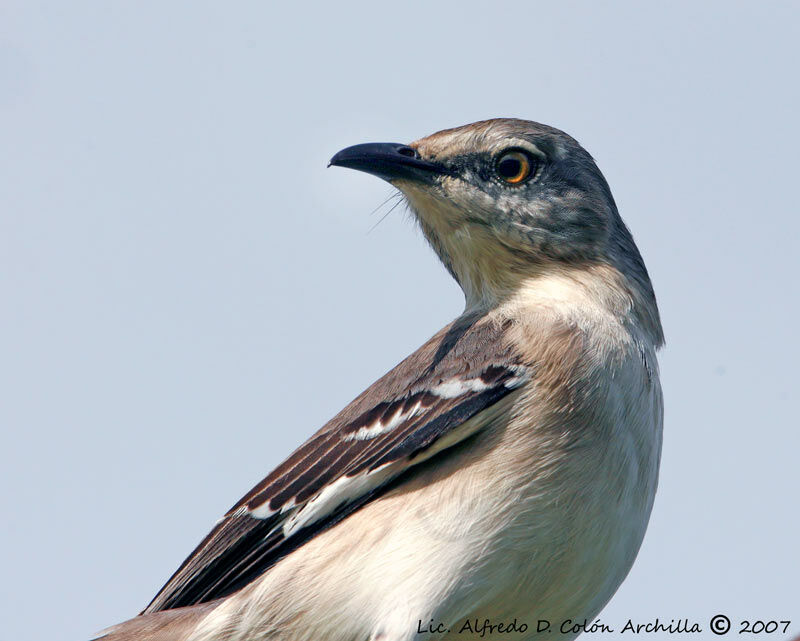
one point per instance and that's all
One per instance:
(418, 409)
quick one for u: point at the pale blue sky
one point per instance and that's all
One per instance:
(179, 271)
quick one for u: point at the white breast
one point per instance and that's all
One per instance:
(558, 546)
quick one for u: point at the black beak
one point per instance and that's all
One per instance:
(388, 160)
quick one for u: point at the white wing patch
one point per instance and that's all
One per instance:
(349, 488)
(342, 490)
(456, 387)
(263, 511)
(378, 427)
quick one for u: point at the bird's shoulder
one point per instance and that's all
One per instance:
(415, 411)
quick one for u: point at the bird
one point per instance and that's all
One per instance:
(501, 475)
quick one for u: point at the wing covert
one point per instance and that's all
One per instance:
(418, 409)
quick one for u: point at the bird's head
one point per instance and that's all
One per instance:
(503, 201)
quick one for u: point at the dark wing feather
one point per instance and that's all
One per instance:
(393, 425)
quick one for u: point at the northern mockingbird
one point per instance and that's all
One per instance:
(502, 473)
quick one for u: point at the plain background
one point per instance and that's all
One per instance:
(187, 293)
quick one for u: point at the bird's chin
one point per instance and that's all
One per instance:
(431, 208)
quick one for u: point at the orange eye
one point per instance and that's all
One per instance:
(513, 166)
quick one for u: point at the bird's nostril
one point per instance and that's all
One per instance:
(407, 151)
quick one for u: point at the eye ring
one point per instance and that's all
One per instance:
(514, 166)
